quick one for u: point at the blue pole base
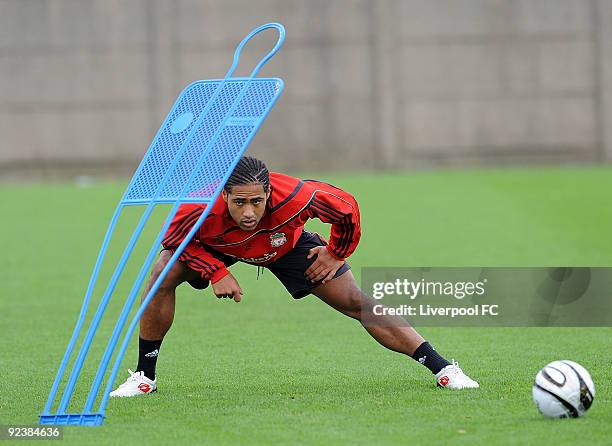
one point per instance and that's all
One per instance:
(73, 419)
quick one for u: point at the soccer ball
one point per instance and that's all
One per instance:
(563, 389)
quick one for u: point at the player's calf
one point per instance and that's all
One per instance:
(157, 318)
(155, 322)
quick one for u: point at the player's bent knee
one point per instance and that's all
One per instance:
(345, 296)
(355, 303)
(174, 276)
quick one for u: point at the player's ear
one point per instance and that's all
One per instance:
(224, 195)
(269, 191)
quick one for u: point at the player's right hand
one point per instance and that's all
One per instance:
(227, 288)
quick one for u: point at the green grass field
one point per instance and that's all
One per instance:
(271, 370)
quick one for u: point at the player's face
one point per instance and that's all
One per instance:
(246, 204)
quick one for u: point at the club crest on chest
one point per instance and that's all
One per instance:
(278, 239)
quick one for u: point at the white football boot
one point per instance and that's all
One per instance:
(137, 384)
(452, 377)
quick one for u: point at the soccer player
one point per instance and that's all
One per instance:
(259, 219)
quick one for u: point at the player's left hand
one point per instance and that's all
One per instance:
(324, 267)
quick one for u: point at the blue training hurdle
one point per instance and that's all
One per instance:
(190, 159)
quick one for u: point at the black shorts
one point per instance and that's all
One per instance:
(289, 269)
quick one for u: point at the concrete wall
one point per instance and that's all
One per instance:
(84, 84)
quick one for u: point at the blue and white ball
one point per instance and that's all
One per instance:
(563, 389)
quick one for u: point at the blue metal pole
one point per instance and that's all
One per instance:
(84, 307)
(143, 306)
(91, 398)
(76, 370)
(127, 252)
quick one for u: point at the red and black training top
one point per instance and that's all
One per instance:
(292, 202)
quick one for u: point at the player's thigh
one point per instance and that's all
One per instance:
(343, 294)
(178, 273)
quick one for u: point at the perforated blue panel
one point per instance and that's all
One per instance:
(209, 126)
